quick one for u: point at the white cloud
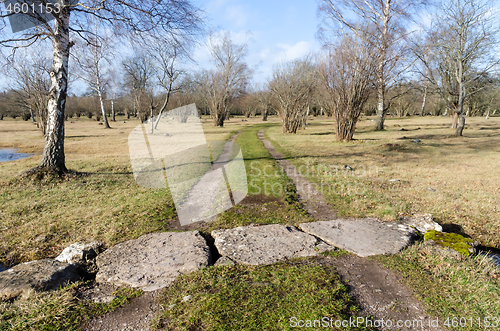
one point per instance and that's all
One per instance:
(292, 52)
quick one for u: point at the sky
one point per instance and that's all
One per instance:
(276, 30)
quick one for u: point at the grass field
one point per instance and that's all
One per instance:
(456, 179)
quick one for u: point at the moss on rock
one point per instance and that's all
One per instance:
(464, 246)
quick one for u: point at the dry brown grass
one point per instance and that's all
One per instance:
(456, 179)
(39, 219)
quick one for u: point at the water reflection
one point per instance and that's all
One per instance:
(10, 154)
(496, 259)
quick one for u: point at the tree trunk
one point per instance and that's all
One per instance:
(454, 121)
(53, 154)
(461, 125)
(264, 115)
(103, 111)
(422, 111)
(32, 115)
(379, 124)
(304, 118)
(219, 121)
(164, 106)
(113, 115)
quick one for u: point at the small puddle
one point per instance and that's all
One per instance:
(10, 154)
(495, 255)
(2, 267)
(496, 259)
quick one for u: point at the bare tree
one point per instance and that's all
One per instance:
(138, 77)
(348, 75)
(70, 17)
(32, 79)
(461, 49)
(93, 58)
(230, 77)
(165, 56)
(292, 86)
(381, 24)
(265, 102)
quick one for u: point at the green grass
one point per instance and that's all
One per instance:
(454, 178)
(271, 199)
(108, 207)
(469, 287)
(255, 298)
(56, 310)
(264, 175)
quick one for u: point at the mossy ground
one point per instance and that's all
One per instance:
(272, 297)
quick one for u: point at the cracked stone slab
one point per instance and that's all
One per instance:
(153, 261)
(364, 237)
(256, 245)
(41, 275)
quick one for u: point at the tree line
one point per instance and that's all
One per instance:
(376, 60)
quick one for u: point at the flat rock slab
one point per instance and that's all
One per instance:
(364, 237)
(256, 245)
(39, 275)
(154, 260)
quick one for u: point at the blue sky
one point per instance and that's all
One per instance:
(276, 30)
(279, 30)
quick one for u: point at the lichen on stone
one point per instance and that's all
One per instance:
(450, 240)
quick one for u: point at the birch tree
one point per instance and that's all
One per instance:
(138, 74)
(93, 57)
(381, 24)
(174, 17)
(165, 56)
